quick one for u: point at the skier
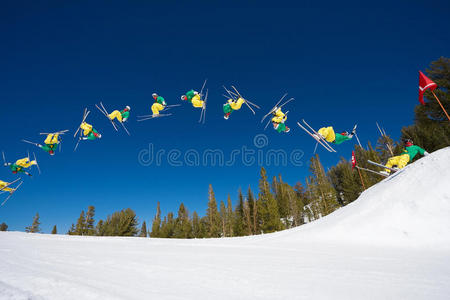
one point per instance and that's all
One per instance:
(159, 104)
(331, 136)
(278, 121)
(121, 116)
(231, 106)
(20, 165)
(194, 98)
(403, 159)
(89, 133)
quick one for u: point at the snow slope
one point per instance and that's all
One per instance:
(392, 243)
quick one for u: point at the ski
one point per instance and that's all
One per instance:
(273, 109)
(9, 196)
(149, 117)
(28, 142)
(58, 132)
(85, 115)
(105, 113)
(381, 166)
(320, 141)
(319, 136)
(248, 103)
(372, 171)
(37, 164)
(203, 112)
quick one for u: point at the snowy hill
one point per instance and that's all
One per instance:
(391, 243)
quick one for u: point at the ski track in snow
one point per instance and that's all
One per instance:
(391, 243)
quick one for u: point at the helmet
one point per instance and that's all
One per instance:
(128, 108)
(408, 142)
(51, 152)
(154, 95)
(344, 132)
(183, 97)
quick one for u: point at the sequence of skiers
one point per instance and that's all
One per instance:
(234, 103)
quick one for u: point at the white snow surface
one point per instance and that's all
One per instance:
(391, 243)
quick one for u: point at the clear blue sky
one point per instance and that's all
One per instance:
(345, 63)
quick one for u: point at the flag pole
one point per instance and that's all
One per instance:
(362, 181)
(437, 99)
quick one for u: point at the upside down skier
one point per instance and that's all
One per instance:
(121, 116)
(406, 157)
(328, 134)
(194, 98)
(89, 132)
(51, 142)
(278, 121)
(20, 165)
(231, 106)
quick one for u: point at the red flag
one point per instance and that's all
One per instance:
(353, 160)
(425, 83)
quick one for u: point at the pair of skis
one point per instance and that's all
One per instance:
(236, 95)
(315, 135)
(149, 117)
(275, 108)
(103, 110)
(85, 115)
(11, 193)
(393, 170)
(202, 119)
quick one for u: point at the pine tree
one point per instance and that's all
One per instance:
(156, 225)
(196, 226)
(71, 230)
(183, 227)
(123, 223)
(143, 232)
(238, 227)
(80, 228)
(100, 228)
(229, 217)
(267, 206)
(90, 230)
(223, 218)
(323, 191)
(54, 231)
(168, 226)
(212, 215)
(3, 227)
(34, 228)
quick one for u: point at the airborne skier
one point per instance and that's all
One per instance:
(234, 102)
(278, 121)
(403, 159)
(159, 105)
(20, 165)
(194, 98)
(331, 136)
(52, 141)
(121, 116)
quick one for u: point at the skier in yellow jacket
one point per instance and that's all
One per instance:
(20, 165)
(231, 106)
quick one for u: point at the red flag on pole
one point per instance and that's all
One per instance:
(353, 160)
(425, 83)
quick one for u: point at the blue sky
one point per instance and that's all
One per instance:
(345, 63)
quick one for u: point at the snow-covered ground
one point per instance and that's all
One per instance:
(392, 243)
